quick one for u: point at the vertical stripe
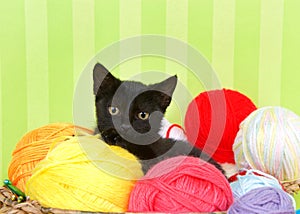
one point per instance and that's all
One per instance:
(200, 20)
(107, 25)
(290, 92)
(37, 63)
(153, 17)
(154, 22)
(60, 52)
(223, 41)
(246, 61)
(1, 123)
(177, 19)
(83, 52)
(83, 35)
(177, 27)
(130, 25)
(13, 76)
(297, 199)
(200, 28)
(270, 52)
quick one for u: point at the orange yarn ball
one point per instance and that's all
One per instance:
(33, 147)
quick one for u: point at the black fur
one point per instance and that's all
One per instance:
(126, 129)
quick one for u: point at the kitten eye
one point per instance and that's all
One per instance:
(113, 110)
(143, 115)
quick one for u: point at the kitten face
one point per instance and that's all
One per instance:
(128, 110)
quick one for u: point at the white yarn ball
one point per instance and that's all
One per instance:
(269, 141)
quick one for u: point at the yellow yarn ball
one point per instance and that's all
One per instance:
(84, 173)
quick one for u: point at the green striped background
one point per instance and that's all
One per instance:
(253, 45)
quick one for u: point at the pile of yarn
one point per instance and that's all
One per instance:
(33, 147)
(181, 184)
(85, 174)
(212, 121)
(269, 141)
(93, 176)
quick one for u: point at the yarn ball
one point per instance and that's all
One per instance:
(33, 147)
(269, 140)
(85, 174)
(252, 179)
(181, 184)
(263, 200)
(212, 121)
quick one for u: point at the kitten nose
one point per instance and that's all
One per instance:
(125, 128)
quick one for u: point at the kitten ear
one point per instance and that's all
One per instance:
(103, 80)
(167, 86)
(166, 89)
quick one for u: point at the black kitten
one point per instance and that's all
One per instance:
(129, 115)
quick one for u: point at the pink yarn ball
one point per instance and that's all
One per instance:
(181, 184)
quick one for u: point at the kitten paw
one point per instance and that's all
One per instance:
(111, 137)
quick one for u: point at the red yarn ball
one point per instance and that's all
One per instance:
(181, 184)
(212, 121)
